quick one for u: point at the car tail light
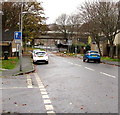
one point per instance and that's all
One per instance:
(46, 54)
(89, 54)
(35, 55)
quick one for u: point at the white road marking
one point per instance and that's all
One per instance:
(45, 96)
(43, 93)
(48, 106)
(47, 101)
(3, 88)
(74, 64)
(51, 113)
(70, 63)
(89, 69)
(42, 89)
(41, 86)
(77, 64)
(108, 75)
(29, 81)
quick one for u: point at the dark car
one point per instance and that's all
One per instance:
(92, 55)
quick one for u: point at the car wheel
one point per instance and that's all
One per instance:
(83, 60)
(98, 61)
(87, 60)
(46, 62)
(34, 62)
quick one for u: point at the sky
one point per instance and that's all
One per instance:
(54, 8)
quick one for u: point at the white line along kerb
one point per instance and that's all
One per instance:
(48, 106)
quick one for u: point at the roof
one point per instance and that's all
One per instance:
(7, 35)
(4, 43)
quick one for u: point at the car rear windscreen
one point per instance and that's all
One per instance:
(40, 53)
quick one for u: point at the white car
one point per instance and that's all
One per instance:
(40, 56)
(34, 51)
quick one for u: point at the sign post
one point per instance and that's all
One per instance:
(18, 40)
(69, 44)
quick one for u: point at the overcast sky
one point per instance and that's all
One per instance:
(54, 8)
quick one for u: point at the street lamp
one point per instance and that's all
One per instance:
(21, 29)
(20, 45)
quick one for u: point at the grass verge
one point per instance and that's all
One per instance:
(110, 59)
(8, 64)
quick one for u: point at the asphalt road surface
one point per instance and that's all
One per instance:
(65, 85)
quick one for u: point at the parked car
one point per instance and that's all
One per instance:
(34, 51)
(40, 56)
(91, 55)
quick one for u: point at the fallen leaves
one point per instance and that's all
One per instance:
(82, 107)
(19, 104)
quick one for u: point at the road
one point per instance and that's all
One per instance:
(65, 85)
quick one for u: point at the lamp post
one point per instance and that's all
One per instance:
(20, 45)
(21, 29)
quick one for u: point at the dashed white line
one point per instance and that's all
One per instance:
(74, 64)
(48, 106)
(45, 96)
(108, 75)
(29, 81)
(41, 86)
(77, 64)
(42, 89)
(70, 62)
(47, 101)
(43, 93)
(89, 69)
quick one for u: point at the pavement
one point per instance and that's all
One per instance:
(28, 66)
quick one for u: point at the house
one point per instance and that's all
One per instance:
(105, 46)
(7, 42)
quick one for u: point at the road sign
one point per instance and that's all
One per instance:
(69, 42)
(17, 37)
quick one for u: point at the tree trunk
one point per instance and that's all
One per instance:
(99, 48)
(111, 50)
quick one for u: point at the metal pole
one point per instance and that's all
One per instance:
(21, 39)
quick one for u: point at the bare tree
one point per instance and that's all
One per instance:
(104, 17)
(108, 21)
(88, 14)
(74, 23)
(61, 22)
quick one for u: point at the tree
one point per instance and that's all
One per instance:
(61, 22)
(33, 20)
(74, 24)
(108, 21)
(11, 12)
(103, 17)
(88, 14)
